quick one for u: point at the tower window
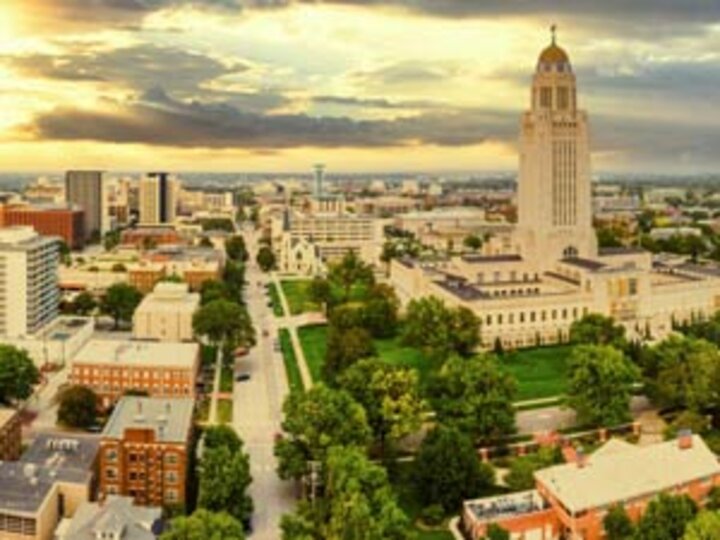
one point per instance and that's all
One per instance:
(546, 97)
(563, 98)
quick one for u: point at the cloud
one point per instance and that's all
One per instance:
(375, 103)
(158, 119)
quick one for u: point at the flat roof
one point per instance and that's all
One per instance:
(169, 418)
(70, 453)
(623, 472)
(170, 297)
(587, 264)
(138, 353)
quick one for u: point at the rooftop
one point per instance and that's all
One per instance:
(62, 452)
(619, 472)
(480, 259)
(138, 353)
(587, 264)
(172, 297)
(170, 419)
(93, 520)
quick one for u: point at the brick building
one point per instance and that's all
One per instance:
(66, 223)
(571, 500)
(150, 237)
(144, 450)
(10, 435)
(112, 367)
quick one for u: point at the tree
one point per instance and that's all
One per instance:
(314, 421)
(64, 251)
(265, 259)
(476, 396)
(320, 291)
(390, 396)
(683, 373)
(78, 407)
(222, 321)
(350, 272)
(222, 436)
(496, 532)
(439, 330)
(380, 311)
(119, 267)
(521, 475)
(447, 470)
(234, 279)
(706, 526)
(204, 525)
(596, 329)
(666, 518)
(212, 289)
(600, 385)
(120, 302)
(111, 240)
(617, 524)
(84, 304)
(18, 374)
(344, 348)
(235, 248)
(224, 480)
(473, 242)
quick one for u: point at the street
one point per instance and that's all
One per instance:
(257, 408)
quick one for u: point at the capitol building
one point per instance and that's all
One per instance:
(548, 271)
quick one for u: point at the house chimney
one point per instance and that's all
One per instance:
(685, 439)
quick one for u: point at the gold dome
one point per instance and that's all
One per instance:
(554, 55)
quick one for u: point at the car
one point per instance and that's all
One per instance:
(242, 377)
(265, 332)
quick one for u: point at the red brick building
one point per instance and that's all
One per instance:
(150, 237)
(10, 435)
(67, 223)
(144, 450)
(571, 500)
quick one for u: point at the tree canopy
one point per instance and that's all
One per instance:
(597, 329)
(666, 517)
(224, 321)
(224, 479)
(78, 407)
(344, 348)
(204, 525)
(120, 302)
(618, 525)
(265, 258)
(235, 248)
(600, 384)
(18, 374)
(350, 272)
(706, 526)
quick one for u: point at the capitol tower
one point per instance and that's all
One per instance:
(554, 193)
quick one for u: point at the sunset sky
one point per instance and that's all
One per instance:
(276, 85)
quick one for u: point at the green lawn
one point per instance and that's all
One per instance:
(296, 293)
(313, 342)
(226, 379)
(291, 366)
(540, 372)
(275, 300)
(225, 411)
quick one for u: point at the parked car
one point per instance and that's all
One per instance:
(242, 377)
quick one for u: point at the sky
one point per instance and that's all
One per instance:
(361, 85)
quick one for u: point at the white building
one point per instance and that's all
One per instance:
(29, 293)
(554, 272)
(166, 313)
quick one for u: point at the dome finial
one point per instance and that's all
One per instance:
(553, 32)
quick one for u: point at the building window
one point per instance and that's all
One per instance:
(488, 320)
(111, 473)
(171, 459)
(171, 496)
(546, 97)
(110, 455)
(171, 477)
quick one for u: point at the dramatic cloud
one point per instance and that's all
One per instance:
(157, 119)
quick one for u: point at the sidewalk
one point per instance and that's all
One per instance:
(212, 415)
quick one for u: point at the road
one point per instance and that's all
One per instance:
(43, 403)
(257, 408)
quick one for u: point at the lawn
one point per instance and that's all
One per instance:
(296, 294)
(275, 300)
(291, 366)
(225, 411)
(313, 342)
(226, 379)
(540, 372)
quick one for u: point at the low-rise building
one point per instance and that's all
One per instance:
(67, 223)
(10, 434)
(145, 448)
(570, 500)
(113, 367)
(166, 314)
(150, 237)
(117, 518)
(54, 477)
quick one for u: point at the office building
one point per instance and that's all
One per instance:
(29, 294)
(113, 367)
(166, 314)
(158, 193)
(144, 450)
(65, 223)
(86, 190)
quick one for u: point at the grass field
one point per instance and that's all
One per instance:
(226, 379)
(275, 300)
(296, 293)
(225, 411)
(313, 342)
(540, 372)
(291, 366)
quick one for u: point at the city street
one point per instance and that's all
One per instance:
(257, 408)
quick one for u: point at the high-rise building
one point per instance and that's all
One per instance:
(86, 189)
(29, 293)
(554, 187)
(158, 198)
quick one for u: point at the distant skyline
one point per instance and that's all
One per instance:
(362, 85)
